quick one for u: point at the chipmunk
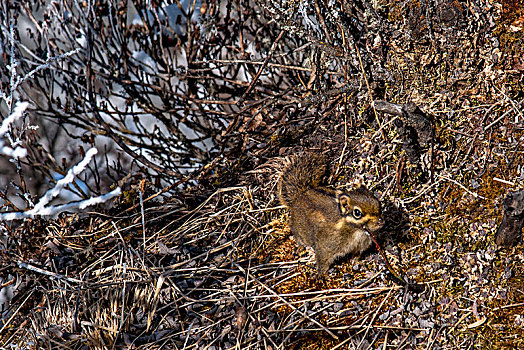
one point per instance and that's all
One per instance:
(333, 222)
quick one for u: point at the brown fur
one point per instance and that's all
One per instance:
(333, 223)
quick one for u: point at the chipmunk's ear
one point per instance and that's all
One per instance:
(344, 203)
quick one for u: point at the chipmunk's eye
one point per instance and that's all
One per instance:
(357, 214)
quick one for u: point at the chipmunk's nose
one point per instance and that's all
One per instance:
(380, 222)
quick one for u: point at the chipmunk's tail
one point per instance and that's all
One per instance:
(303, 172)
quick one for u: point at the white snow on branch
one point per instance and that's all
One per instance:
(18, 111)
(45, 65)
(57, 209)
(42, 208)
(66, 180)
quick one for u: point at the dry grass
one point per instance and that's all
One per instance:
(226, 273)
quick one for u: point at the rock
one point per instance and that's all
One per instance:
(509, 232)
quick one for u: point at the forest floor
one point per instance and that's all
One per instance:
(214, 266)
